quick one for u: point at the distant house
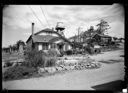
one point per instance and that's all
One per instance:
(5, 50)
(102, 39)
(91, 38)
(117, 40)
(48, 39)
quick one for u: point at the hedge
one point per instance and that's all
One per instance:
(17, 72)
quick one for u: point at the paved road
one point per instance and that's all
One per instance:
(75, 80)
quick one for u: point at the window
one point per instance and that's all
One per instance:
(40, 47)
(45, 46)
(53, 46)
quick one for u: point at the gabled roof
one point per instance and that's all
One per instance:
(55, 39)
(47, 30)
(106, 36)
(42, 38)
(39, 37)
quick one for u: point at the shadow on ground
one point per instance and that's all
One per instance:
(111, 86)
(111, 61)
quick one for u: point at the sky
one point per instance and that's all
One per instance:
(17, 19)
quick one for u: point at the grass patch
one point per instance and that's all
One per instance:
(6, 57)
(18, 72)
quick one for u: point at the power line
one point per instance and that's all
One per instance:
(35, 15)
(45, 16)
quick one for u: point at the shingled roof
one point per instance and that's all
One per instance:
(47, 38)
(42, 38)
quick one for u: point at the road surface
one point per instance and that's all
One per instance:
(75, 80)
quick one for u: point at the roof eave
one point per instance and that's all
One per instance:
(29, 38)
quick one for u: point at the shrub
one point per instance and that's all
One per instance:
(50, 61)
(17, 72)
(40, 58)
(7, 64)
(90, 50)
(35, 58)
(62, 53)
(69, 52)
(53, 52)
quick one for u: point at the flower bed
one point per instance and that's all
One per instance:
(70, 66)
(88, 65)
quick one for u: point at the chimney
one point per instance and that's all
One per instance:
(32, 29)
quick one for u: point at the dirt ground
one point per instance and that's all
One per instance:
(76, 80)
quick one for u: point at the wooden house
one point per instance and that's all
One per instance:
(102, 39)
(48, 39)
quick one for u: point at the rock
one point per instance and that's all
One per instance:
(59, 68)
(14, 64)
(87, 66)
(48, 69)
(56, 68)
(41, 70)
(53, 69)
(72, 67)
(93, 65)
(98, 64)
(67, 67)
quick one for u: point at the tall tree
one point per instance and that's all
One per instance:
(102, 27)
(91, 29)
(14, 47)
(19, 42)
(10, 48)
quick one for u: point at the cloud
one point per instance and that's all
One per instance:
(117, 28)
(27, 34)
(17, 19)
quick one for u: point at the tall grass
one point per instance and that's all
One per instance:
(41, 59)
(33, 60)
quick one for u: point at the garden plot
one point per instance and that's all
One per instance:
(71, 63)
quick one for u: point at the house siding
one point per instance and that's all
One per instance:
(29, 44)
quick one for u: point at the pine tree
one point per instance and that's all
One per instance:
(102, 27)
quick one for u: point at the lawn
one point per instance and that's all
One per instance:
(11, 57)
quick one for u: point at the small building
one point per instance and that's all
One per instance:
(102, 39)
(5, 50)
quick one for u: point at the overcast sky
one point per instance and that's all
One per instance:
(17, 19)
